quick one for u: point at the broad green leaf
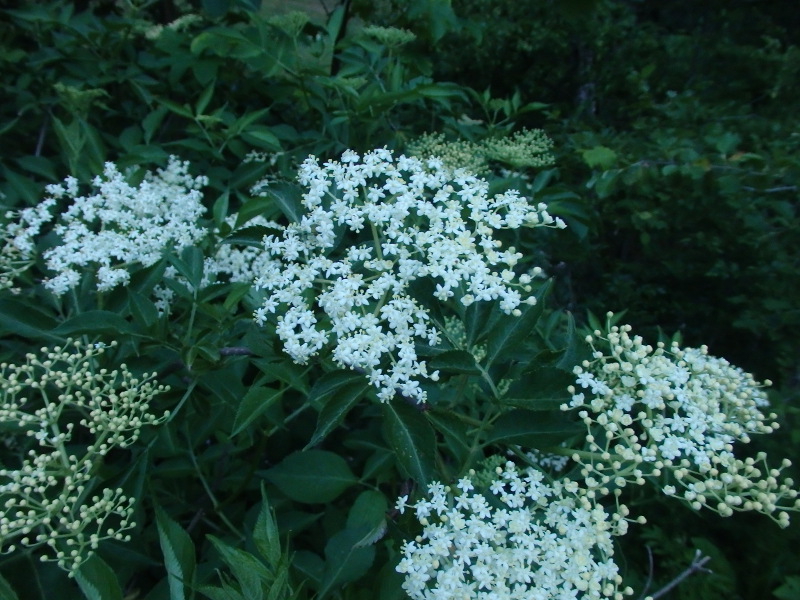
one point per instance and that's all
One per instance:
(25, 320)
(369, 513)
(248, 570)
(98, 581)
(336, 408)
(143, 309)
(412, 438)
(454, 361)
(312, 476)
(261, 137)
(145, 280)
(265, 535)
(534, 429)
(510, 331)
(179, 555)
(345, 561)
(182, 110)
(539, 389)
(599, 156)
(287, 197)
(225, 592)
(190, 265)
(94, 322)
(253, 405)
(448, 424)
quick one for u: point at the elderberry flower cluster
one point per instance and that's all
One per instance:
(521, 538)
(677, 413)
(73, 413)
(118, 225)
(524, 149)
(402, 219)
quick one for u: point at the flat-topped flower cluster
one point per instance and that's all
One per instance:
(510, 534)
(62, 399)
(402, 219)
(677, 413)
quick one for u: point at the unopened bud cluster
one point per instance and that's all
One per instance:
(73, 413)
(676, 416)
(521, 536)
(405, 219)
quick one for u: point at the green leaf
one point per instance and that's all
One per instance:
(25, 319)
(94, 322)
(182, 110)
(261, 137)
(454, 361)
(336, 409)
(6, 591)
(312, 476)
(179, 555)
(190, 265)
(369, 513)
(345, 561)
(204, 99)
(599, 156)
(287, 197)
(510, 331)
(571, 354)
(220, 208)
(143, 309)
(98, 581)
(539, 389)
(257, 400)
(412, 438)
(248, 570)
(534, 429)
(265, 535)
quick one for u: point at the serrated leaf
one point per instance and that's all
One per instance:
(220, 209)
(345, 561)
(534, 429)
(344, 398)
(412, 438)
(369, 513)
(265, 535)
(454, 361)
(179, 555)
(510, 331)
(97, 580)
(248, 570)
(255, 402)
(312, 476)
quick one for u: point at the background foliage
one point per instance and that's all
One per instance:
(676, 168)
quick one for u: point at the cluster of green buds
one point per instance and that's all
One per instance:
(676, 416)
(69, 413)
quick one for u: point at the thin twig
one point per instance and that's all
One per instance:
(236, 351)
(698, 565)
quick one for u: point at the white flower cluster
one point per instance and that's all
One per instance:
(677, 412)
(58, 399)
(408, 219)
(118, 225)
(526, 538)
